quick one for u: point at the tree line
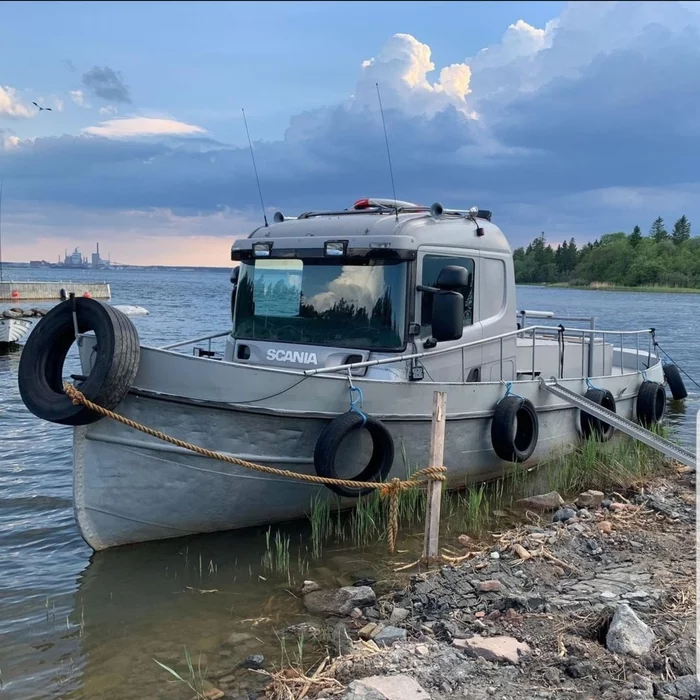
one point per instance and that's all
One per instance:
(621, 259)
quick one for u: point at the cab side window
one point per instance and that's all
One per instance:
(432, 264)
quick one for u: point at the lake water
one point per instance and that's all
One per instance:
(75, 624)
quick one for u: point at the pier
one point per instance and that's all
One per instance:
(37, 291)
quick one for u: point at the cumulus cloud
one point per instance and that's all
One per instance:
(568, 128)
(107, 84)
(10, 104)
(107, 111)
(130, 127)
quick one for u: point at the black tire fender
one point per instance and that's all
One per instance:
(675, 382)
(651, 403)
(514, 429)
(40, 373)
(595, 427)
(329, 441)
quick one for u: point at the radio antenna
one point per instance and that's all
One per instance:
(388, 153)
(257, 179)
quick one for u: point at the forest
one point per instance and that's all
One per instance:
(658, 259)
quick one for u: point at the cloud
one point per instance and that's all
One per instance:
(107, 111)
(142, 126)
(78, 97)
(575, 128)
(107, 84)
(10, 105)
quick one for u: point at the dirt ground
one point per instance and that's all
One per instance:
(548, 588)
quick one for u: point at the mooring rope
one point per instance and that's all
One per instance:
(390, 489)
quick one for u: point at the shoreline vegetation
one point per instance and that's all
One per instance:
(584, 589)
(659, 262)
(605, 287)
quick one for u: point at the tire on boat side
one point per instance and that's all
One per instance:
(514, 429)
(675, 382)
(595, 427)
(40, 373)
(329, 442)
(651, 403)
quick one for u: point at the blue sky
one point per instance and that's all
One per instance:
(574, 119)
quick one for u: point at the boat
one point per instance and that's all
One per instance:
(344, 325)
(12, 330)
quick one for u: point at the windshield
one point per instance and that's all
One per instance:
(322, 302)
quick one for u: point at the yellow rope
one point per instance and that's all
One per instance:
(390, 489)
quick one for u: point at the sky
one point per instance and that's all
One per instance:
(572, 119)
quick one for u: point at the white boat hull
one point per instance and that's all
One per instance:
(12, 330)
(130, 487)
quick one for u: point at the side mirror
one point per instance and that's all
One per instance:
(448, 315)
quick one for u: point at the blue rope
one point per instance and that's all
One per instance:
(353, 403)
(590, 385)
(510, 392)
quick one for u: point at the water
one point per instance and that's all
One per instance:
(78, 625)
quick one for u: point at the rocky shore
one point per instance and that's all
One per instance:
(588, 600)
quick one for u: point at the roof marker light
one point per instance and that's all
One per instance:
(362, 204)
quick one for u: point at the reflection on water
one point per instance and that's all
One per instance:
(76, 624)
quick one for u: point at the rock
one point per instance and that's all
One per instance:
(583, 514)
(398, 615)
(356, 613)
(575, 527)
(389, 636)
(605, 527)
(339, 637)
(628, 634)
(495, 555)
(255, 661)
(620, 506)
(340, 601)
(302, 629)
(590, 499)
(214, 694)
(563, 514)
(422, 650)
(366, 631)
(606, 503)
(236, 638)
(464, 540)
(399, 687)
(545, 501)
(683, 688)
(11, 314)
(498, 648)
(309, 587)
(489, 586)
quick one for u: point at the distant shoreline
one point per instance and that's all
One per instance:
(612, 288)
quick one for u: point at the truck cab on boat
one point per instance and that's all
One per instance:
(379, 280)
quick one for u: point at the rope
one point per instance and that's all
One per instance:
(590, 384)
(510, 392)
(353, 403)
(389, 489)
(675, 363)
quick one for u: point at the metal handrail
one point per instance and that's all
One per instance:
(193, 340)
(530, 330)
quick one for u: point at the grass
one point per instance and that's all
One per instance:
(196, 678)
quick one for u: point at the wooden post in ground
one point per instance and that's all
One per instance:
(437, 450)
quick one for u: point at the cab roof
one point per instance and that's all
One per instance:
(435, 226)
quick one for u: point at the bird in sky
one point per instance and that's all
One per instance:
(42, 109)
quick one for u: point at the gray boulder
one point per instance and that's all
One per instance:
(385, 688)
(683, 688)
(628, 634)
(339, 601)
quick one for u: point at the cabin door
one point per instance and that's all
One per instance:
(461, 365)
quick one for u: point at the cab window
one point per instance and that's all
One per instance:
(432, 264)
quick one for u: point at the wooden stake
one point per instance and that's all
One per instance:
(437, 451)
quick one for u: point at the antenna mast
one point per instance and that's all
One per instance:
(257, 179)
(388, 154)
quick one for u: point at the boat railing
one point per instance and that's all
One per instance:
(588, 338)
(192, 341)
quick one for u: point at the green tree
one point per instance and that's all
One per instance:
(681, 230)
(635, 236)
(658, 232)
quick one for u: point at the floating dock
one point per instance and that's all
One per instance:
(37, 291)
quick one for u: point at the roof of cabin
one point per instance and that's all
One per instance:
(448, 230)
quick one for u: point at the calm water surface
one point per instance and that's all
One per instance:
(75, 624)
